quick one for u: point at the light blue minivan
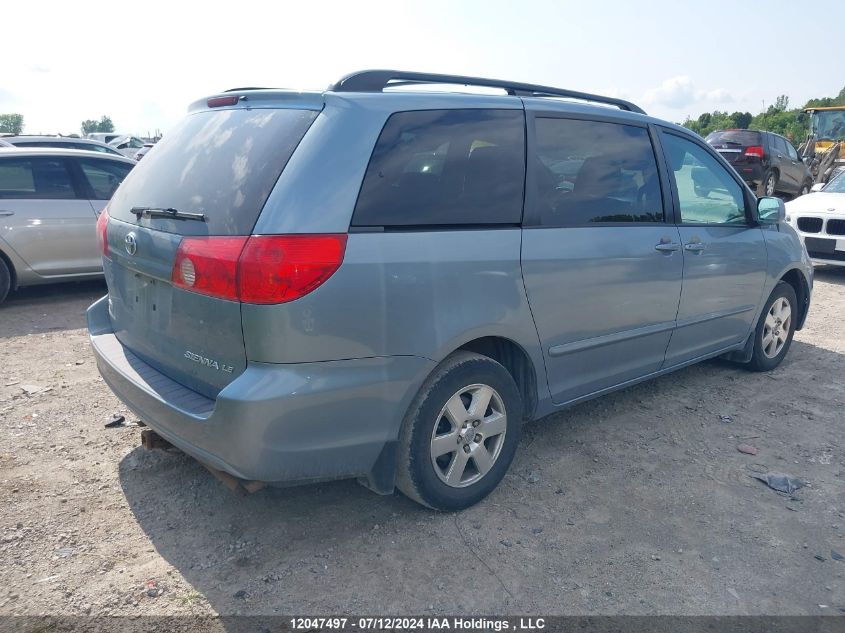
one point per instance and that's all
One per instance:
(385, 283)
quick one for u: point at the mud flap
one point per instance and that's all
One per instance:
(381, 479)
(743, 355)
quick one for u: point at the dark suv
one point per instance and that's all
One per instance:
(767, 162)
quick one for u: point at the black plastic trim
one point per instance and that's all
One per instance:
(378, 80)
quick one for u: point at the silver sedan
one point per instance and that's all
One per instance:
(49, 202)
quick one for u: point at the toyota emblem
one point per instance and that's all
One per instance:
(130, 243)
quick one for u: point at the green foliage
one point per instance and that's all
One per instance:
(103, 125)
(778, 118)
(709, 122)
(11, 123)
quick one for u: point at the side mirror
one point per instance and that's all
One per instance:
(770, 210)
(817, 187)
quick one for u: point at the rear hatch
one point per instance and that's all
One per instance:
(218, 165)
(733, 145)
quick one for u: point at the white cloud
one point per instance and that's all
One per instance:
(717, 96)
(675, 92)
(678, 96)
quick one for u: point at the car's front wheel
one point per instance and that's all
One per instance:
(460, 434)
(774, 332)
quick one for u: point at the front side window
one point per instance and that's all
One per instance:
(594, 172)
(707, 193)
(445, 167)
(104, 176)
(37, 178)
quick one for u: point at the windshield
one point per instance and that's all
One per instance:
(829, 125)
(837, 185)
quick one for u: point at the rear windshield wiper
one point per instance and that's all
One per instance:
(165, 212)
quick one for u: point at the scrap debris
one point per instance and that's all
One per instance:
(780, 482)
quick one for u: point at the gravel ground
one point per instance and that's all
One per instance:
(636, 503)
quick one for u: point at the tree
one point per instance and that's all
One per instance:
(103, 125)
(11, 123)
(741, 120)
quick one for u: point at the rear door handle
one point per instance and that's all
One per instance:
(694, 247)
(667, 247)
(3, 212)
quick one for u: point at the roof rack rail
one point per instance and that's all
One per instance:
(247, 88)
(378, 80)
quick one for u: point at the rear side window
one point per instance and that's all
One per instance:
(594, 172)
(735, 137)
(222, 163)
(37, 178)
(445, 167)
(104, 176)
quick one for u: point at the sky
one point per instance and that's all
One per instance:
(142, 63)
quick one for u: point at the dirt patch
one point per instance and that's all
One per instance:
(635, 503)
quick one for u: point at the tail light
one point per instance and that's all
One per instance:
(263, 269)
(208, 265)
(754, 150)
(103, 231)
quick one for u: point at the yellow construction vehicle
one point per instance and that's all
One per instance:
(824, 150)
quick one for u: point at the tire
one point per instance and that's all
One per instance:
(769, 348)
(805, 189)
(5, 280)
(769, 184)
(443, 411)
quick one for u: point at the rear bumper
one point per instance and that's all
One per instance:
(275, 422)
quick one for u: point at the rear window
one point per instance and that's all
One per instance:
(445, 167)
(222, 163)
(737, 137)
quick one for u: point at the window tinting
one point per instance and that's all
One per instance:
(104, 176)
(35, 178)
(222, 163)
(445, 167)
(706, 191)
(735, 137)
(589, 172)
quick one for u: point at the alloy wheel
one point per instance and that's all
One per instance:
(468, 435)
(770, 185)
(776, 327)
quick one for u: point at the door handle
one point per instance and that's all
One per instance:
(3, 212)
(667, 247)
(695, 247)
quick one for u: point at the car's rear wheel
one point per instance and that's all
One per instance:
(774, 332)
(5, 280)
(770, 183)
(460, 434)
